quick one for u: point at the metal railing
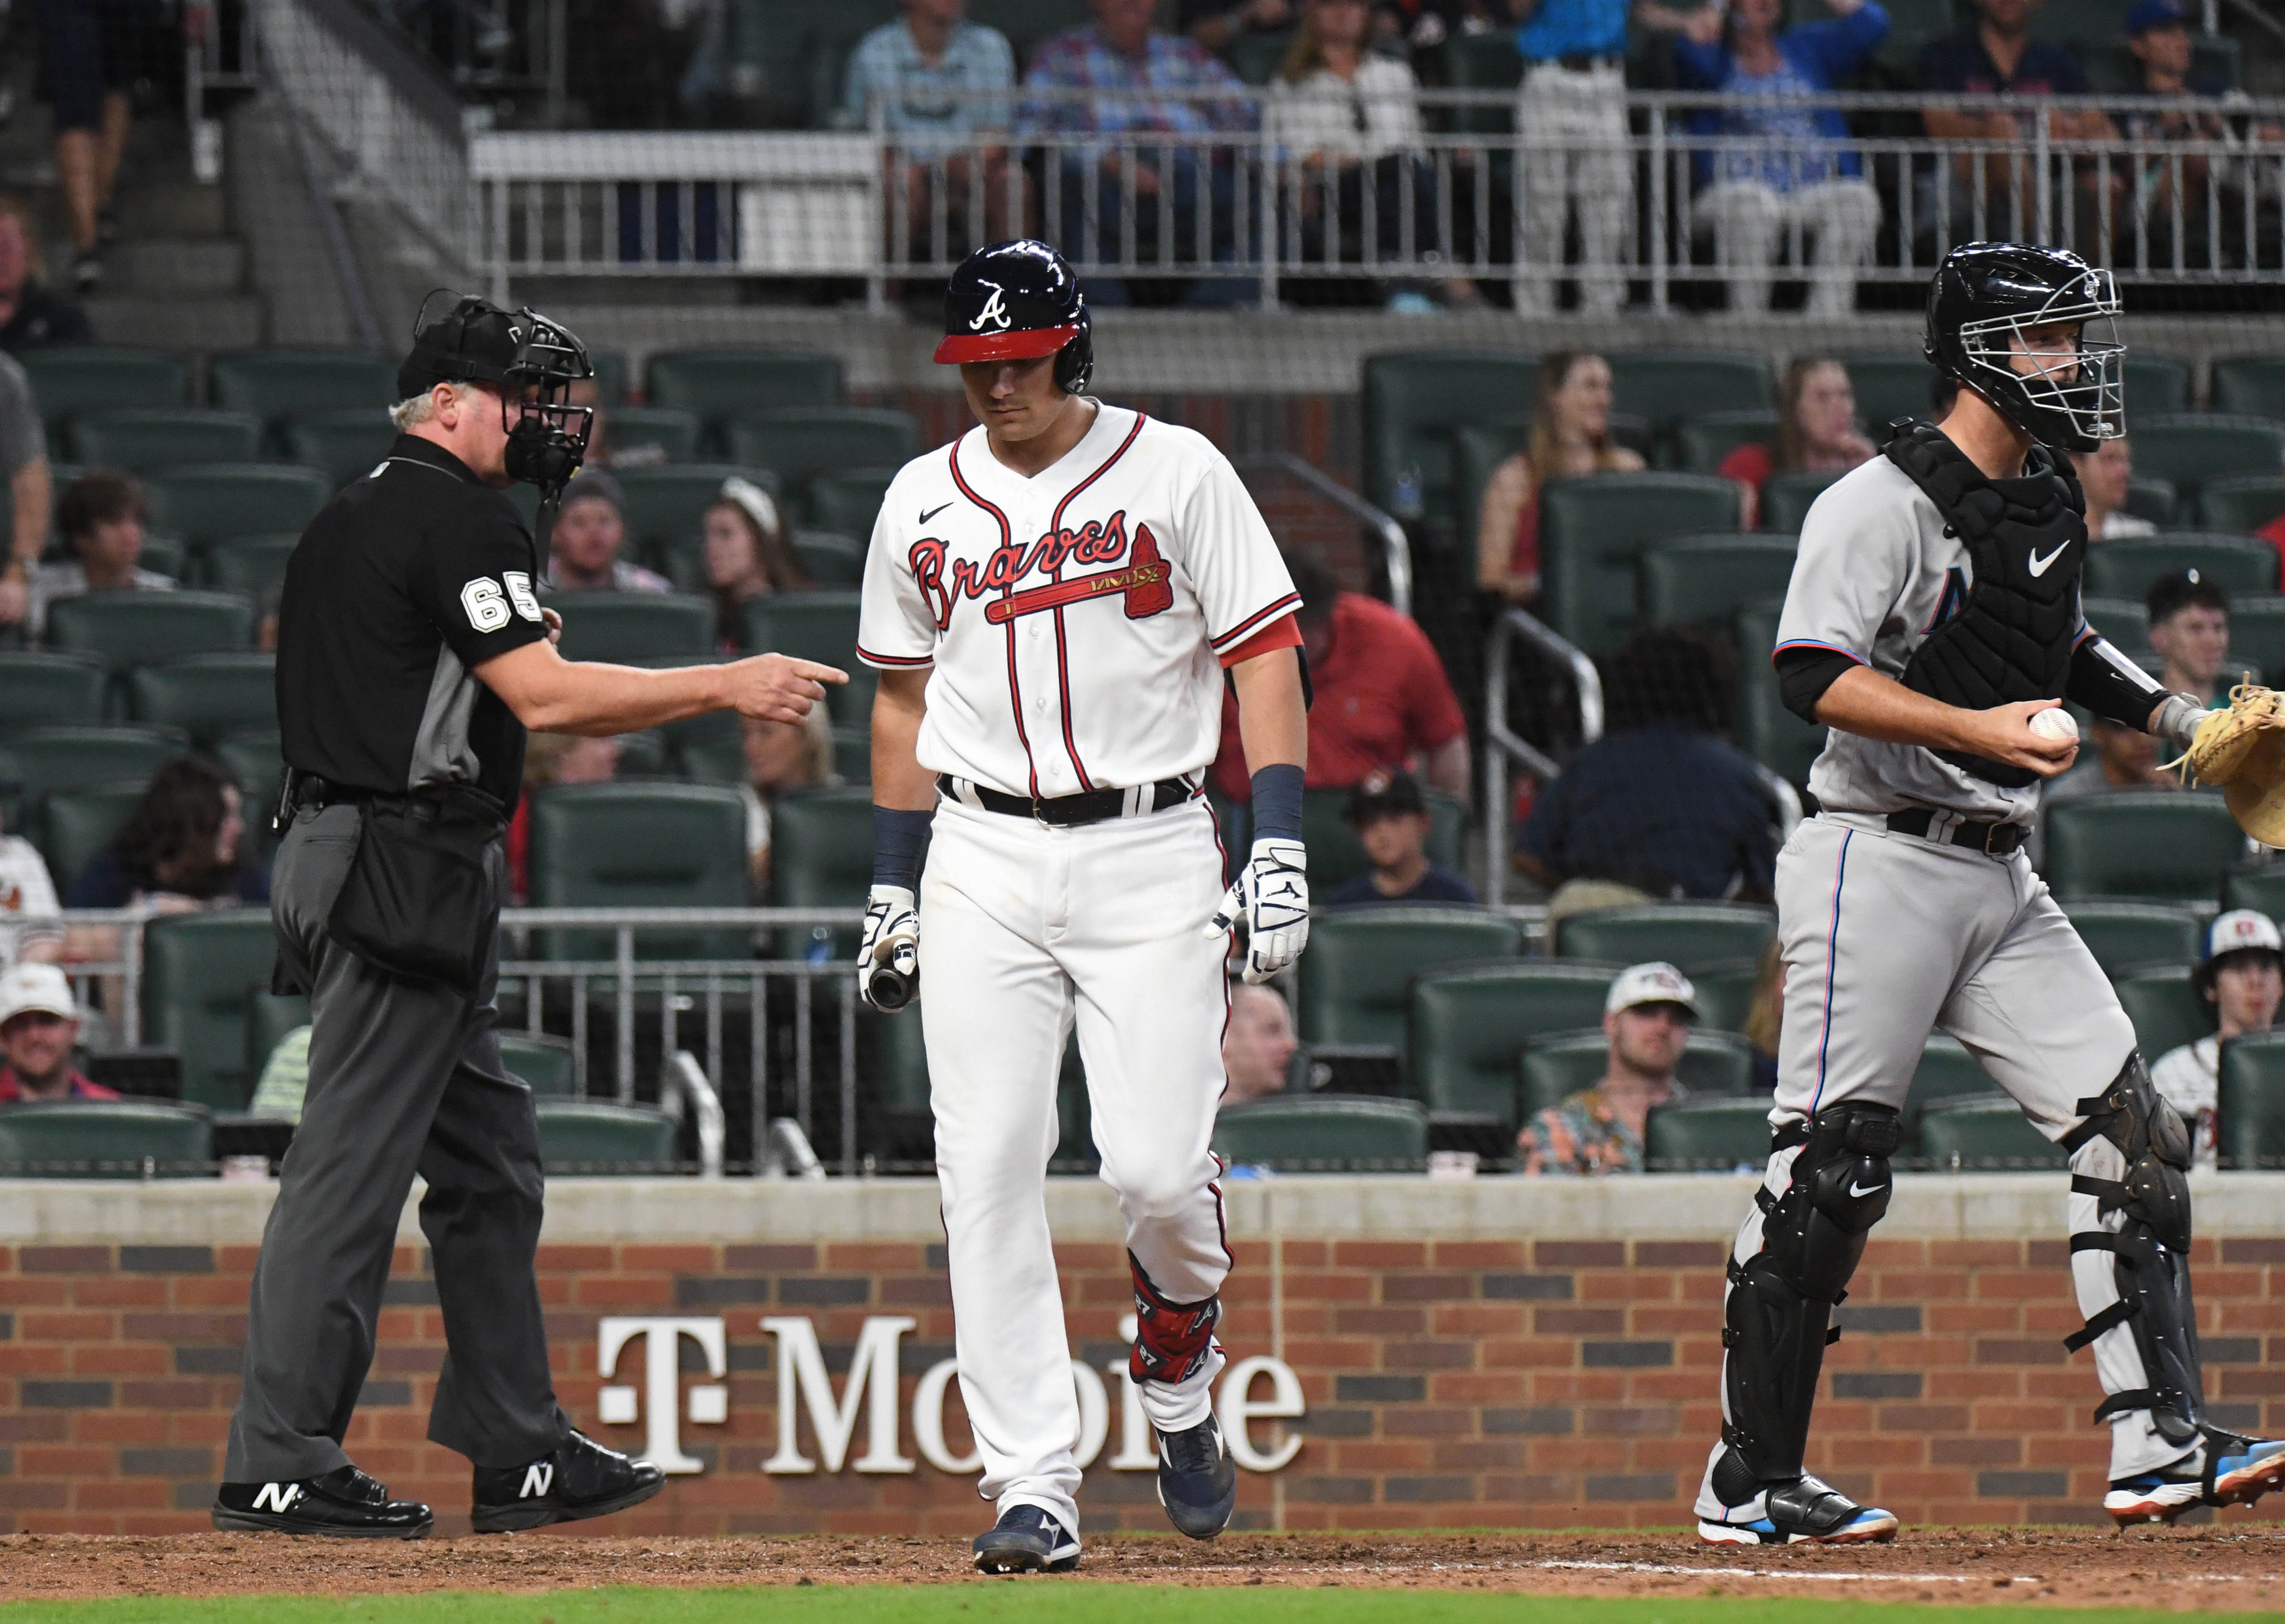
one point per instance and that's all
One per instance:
(1504, 747)
(1396, 546)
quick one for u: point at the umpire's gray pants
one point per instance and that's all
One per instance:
(1888, 936)
(403, 1078)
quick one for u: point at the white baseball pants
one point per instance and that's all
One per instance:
(1026, 930)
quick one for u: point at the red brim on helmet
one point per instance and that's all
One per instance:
(1016, 344)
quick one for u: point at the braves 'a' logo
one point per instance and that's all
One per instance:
(995, 311)
(1144, 584)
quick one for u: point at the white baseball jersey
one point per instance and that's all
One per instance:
(1073, 618)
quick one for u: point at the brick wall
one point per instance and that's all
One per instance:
(1474, 1381)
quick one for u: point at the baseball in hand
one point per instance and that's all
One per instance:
(2054, 724)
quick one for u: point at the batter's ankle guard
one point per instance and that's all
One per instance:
(1172, 1341)
(2151, 1248)
(1782, 1298)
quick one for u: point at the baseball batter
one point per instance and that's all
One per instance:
(1934, 613)
(1053, 601)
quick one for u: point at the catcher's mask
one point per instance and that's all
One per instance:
(529, 361)
(1984, 303)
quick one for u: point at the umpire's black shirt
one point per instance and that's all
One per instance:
(401, 585)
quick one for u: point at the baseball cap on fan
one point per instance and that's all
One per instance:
(1656, 982)
(34, 987)
(2148, 14)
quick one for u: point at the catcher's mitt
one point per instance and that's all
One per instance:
(2243, 750)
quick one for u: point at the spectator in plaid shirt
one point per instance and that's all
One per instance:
(1120, 61)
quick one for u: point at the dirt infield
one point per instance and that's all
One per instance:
(2213, 1568)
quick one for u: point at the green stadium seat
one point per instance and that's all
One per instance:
(852, 755)
(799, 444)
(1726, 993)
(270, 1016)
(1767, 731)
(829, 558)
(1256, 58)
(610, 375)
(2123, 936)
(1706, 579)
(1486, 61)
(1415, 400)
(1356, 977)
(49, 690)
(644, 845)
(1702, 441)
(668, 504)
(2195, 449)
(66, 382)
(1714, 1135)
(1888, 384)
(1787, 497)
(1478, 450)
(673, 433)
(2242, 505)
(207, 695)
(2169, 843)
(1548, 1070)
(2249, 1105)
(2126, 568)
(2124, 621)
(2157, 500)
(1984, 1133)
(1946, 1071)
(40, 760)
(2156, 384)
(1594, 531)
(821, 857)
(105, 1139)
(900, 1081)
(1324, 1134)
(1667, 386)
(73, 825)
(199, 970)
(146, 439)
(275, 385)
(248, 564)
(131, 628)
(549, 1066)
(1684, 934)
(2258, 885)
(343, 445)
(620, 628)
(1337, 856)
(256, 761)
(164, 555)
(590, 1138)
(817, 626)
(231, 499)
(1464, 1027)
(2248, 386)
(848, 501)
(2165, 1009)
(717, 384)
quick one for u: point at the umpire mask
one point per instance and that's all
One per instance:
(531, 361)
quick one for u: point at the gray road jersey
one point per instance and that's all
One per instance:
(1874, 570)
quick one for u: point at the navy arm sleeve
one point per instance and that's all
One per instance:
(1804, 674)
(2111, 686)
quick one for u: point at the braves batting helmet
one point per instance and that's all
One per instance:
(1014, 301)
(1987, 295)
(527, 357)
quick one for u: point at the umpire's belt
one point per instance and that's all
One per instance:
(1949, 829)
(1071, 811)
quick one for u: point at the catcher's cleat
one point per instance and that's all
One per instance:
(2228, 1471)
(1026, 1540)
(1807, 1511)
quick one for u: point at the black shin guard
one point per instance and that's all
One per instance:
(1782, 1298)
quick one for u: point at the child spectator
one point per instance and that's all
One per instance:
(33, 315)
(39, 1025)
(102, 516)
(1570, 433)
(1257, 1043)
(1817, 428)
(590, 529)
(2105, 476)
(1391, 820)
(31, 928)
(1647, 1017)
(747, 555)
(182, 849)
(2242, 978)
(2189, 631)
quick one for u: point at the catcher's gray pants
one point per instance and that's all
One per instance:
(403, 1078)
(1887, 936)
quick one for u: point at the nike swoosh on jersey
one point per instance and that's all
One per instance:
(2039, 566)
(933, 512)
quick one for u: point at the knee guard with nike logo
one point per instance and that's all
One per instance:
(2151, 1248)
(1782, 1298)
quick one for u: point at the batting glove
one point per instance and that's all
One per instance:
(1271, 898)
(888, 953)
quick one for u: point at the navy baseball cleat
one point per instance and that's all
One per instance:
(578, 1479)
(1198, 1481)
(343, 1504)
(1807, 1510)
(2226, 1471)
(1026, 1540)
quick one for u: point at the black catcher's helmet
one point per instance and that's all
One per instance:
(1014, 301)
(529, 359)
(1987, 294)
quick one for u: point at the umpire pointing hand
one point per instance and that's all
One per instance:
(412, 654)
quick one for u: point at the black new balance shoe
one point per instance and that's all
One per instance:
(578, 1479)
(343, 1503)
(1198, 1481)
(1026, 1540)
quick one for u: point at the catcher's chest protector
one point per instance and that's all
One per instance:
(2011, 639)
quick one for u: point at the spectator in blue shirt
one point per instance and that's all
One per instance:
(942, 84)
(1785, 168)
(2158, 33)
(1391, 820)
(1116, 78)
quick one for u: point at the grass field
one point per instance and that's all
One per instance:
(1033, 1601)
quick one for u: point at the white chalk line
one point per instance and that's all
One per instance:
(1682, 1570)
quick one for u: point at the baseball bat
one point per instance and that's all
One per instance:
(1054, 596)
(893, 983)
